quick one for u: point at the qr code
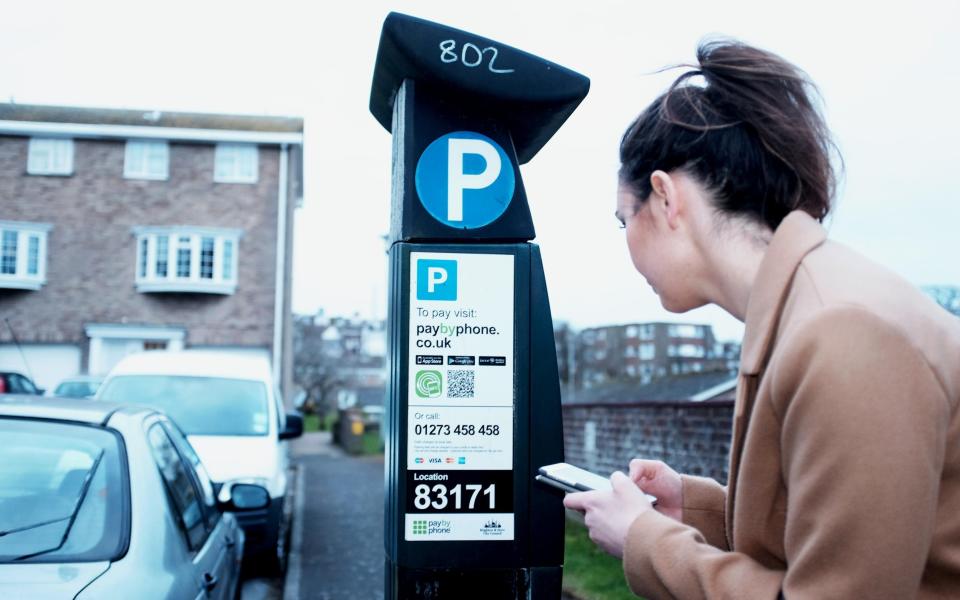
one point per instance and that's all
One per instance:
(460, 383)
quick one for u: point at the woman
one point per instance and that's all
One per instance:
(844, 478)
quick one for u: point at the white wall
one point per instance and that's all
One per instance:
(49, 363)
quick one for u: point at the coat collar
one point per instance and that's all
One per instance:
(798, 234)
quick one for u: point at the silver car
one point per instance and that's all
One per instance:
(99, 500)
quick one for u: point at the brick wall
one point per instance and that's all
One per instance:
(92, 251)
(692, 438)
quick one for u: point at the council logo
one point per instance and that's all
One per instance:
(465, 180)
(428, 384)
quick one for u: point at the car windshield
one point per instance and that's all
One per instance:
(76, 389)
(61, 496)
(199, 405)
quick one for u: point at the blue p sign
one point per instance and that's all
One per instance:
(465, 180)
(436, 279)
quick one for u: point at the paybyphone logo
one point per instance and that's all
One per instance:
(428, 384)
(419, 528)
(465, 180)
(436, 279)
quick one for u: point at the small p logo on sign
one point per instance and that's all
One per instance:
(465, 180)
(436, 279)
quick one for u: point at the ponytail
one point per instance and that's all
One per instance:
(752, 135)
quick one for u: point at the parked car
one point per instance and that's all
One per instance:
(16, 383)
(81, 386)
(232, 413)
(102, 500)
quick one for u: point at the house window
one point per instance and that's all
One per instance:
(144, 246)
(50, 156)
(23, 249)
(183, 256)
(206, 258)
(187, 259)
(163, 255)
(235, 163)
(33, 254)
(648, 351)
(8, 262)
(146, 160)
(631, 331)
(227, 261)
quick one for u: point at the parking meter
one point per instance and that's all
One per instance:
(473, 406)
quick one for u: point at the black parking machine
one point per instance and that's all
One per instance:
(473, 405)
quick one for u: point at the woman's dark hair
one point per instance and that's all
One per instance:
(752, 135)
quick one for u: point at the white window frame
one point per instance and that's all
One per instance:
(138, 167)
(50, 156)
(21, 279)
(234, 171)
(192, 282)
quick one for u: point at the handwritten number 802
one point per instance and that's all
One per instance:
(470, 55)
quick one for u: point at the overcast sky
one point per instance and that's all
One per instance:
(889, 77)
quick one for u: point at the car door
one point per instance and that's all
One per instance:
(209, 567)
(223, 526)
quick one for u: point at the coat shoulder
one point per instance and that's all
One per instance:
(832, 278)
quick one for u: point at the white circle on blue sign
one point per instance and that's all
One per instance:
(465, 180)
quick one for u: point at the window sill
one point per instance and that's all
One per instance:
(186, 287)
(146, 177)
(50, 174)
(21, 284)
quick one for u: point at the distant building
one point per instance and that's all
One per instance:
(337, 358)
(124, 230)
(947, 296)
(643, 352)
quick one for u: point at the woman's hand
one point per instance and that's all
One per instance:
(658, 479)
(609, 514)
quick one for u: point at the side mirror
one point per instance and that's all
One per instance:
(247, 496)
(41, 391)
(294, 428)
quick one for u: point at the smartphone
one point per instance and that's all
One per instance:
(569, 478)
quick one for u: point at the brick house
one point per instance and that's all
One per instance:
(124, 230)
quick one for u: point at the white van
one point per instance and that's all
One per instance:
(233, 415)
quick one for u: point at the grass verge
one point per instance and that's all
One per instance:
(588, 572)
(311, 423)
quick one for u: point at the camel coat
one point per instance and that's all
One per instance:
(844, 477)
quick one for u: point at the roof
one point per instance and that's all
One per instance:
(99, 123)
(81, 411)
(665, 389)
(147, 118)
(196, 363)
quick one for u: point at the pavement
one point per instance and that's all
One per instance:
(341, 547)
(337, 538)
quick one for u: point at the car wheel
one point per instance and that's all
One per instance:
(274, 560)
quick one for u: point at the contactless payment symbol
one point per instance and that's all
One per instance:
(428, 384)
(436, 279)
(465, 180)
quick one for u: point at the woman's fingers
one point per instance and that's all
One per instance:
(644, 469)
(577, 500)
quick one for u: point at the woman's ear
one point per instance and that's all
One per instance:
(666, 197)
